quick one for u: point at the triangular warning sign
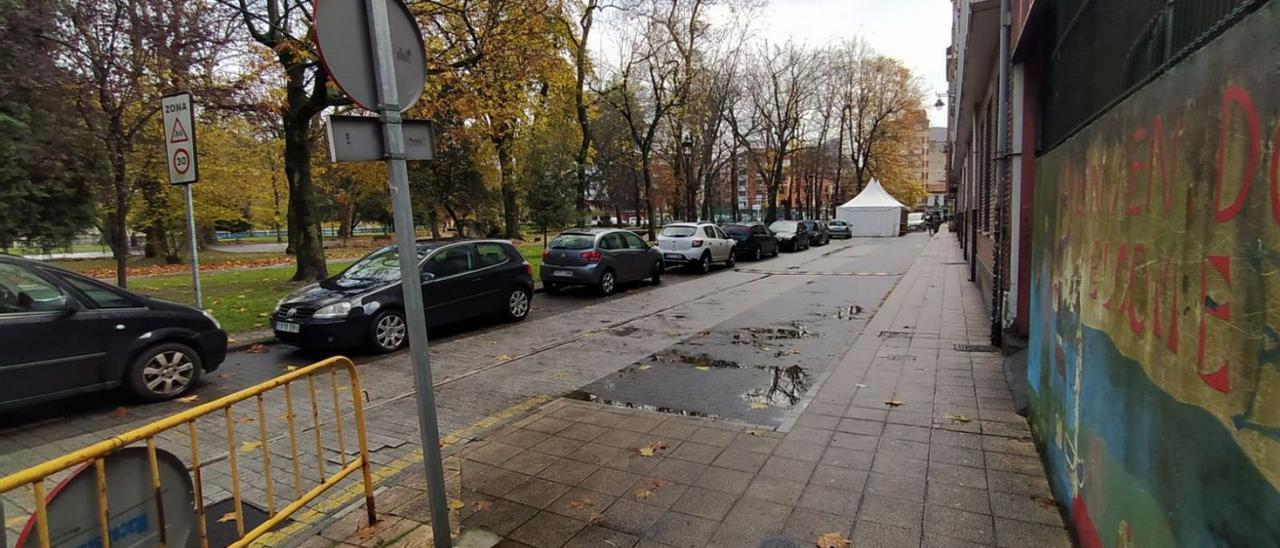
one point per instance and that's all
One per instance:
(178, 134)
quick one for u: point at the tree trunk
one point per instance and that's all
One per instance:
(304, 224)
(648, 194)
(635, 186)
(433, 217)
(733, 184)
(275, 212)
(506, 171)
(118, 221)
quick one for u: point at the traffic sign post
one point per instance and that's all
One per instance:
(373, 50)
(178, 117)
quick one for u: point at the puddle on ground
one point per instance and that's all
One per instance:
(624, 331)
(788, 386)
(696, 360)
(582, 395)
(848, 312)
(754, 335)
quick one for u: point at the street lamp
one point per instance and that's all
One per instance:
(686, 148)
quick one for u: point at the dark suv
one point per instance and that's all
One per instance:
(818, 233)
(753, 240)
(365, 305)
(62, 333)
(599, 257)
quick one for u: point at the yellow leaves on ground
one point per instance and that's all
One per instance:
(649, 488)
(250, 446)
(455, 504)
(893, 403)
(758, 405)
(832, 540)
(229, 516)
(504, 358)
(189, 399)
(258, 348)
(959, 419)
(481, 505)
(702, 368)
(645, 367)
(581, 504)
(653, 448)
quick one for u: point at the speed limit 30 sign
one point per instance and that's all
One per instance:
(180, 138)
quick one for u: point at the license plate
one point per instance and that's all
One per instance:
(288, 327)
(562, 273)
(675, 256)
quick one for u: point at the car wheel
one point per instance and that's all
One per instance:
(164, 372)
(655, 277)
(550, 287)
(518, 303)
(775, 250)
(704, 263)
(758, 254)
(608, 282)
(388, 331)
(733, 259)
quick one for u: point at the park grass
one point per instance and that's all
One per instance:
(241, 299)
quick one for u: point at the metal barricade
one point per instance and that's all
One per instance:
(95, 455)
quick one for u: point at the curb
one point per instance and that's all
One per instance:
(248, 339)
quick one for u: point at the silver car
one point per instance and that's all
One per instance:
(598, 257)
(840, 229)
(696, 245)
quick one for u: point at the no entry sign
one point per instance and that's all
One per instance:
(180, 138)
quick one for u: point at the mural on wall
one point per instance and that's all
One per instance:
(1155, 349)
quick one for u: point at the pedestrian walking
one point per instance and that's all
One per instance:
(934, 221)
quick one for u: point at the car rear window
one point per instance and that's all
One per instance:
(573, 241)
(783, 226)
(737, 230)
(679, 231)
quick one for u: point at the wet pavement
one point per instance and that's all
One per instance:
(759, 366)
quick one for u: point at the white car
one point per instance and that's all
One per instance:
(695, 244)
(915, 222)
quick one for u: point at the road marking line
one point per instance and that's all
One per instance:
(327, 506)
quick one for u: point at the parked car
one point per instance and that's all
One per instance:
(753, 240)
(792, 235)
(840, 229)
(696, 245)
(62, 333)
(818, 234)
(601, 258)
(915, 222)
(364, 305)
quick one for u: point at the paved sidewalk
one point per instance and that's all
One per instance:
(909, 441)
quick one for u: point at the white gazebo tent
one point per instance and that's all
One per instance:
(873, 212)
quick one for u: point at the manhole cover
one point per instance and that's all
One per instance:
(976, 348)
(221, 530)
(778, 542)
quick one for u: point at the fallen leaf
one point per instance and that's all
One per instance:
(1047, 502)
(702, 368)
(832, 540)
(229, 516)
(758, 405)
(229, 339)
(643, 493)
(596, 519)
(258, 348)
(189, 399)
(455, 504)
(366, 533)
(581, 504)
(861, 385)
(893, 403)
(481, 505)
(756, 433)
(250, 446)
(645, 366)
(504, 357)
(958, 418)
(562, 375)
(652, 448)
(290, 368)
(244, 420)
(703, 333)
(646, 451)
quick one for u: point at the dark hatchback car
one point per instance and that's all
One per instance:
(601, 258)
(792, 235)
(754, 240)
(818, 233)
(364, 305)
(62, 333)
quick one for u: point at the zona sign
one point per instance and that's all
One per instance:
(180, 138)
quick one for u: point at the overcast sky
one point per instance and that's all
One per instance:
(915, 31)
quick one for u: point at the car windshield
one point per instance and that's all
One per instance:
(382, 265)
(783, 226)
(679, 231)
(573, 241)
(838, 223)
(737, 231)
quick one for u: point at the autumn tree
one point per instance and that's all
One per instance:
(767, 120)
(878, 95)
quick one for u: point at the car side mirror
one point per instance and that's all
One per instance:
(68, 305)
(426, 276)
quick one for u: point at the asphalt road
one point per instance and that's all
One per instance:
(747, 344)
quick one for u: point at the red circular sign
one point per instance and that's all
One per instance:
(181, 161)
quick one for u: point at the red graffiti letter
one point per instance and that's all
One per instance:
(1136, 166)
(1121, 260)
(1168, 168)
(1136, 324)
(1239, 96)
(1275, 170)
(1218, 379)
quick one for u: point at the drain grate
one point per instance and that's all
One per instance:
(976, 348)
(900, 358)
(955, 263)
(896, 334)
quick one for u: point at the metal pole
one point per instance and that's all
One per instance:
(410, 278)
(195, 254)
(1002, 169)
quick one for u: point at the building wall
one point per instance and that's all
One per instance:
(1154, 359)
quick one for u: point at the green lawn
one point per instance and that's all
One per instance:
(78, 248)
(533, 253)
(240, 299)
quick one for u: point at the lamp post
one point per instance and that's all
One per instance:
(686, 149)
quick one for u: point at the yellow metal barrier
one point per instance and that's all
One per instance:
(35, 476)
